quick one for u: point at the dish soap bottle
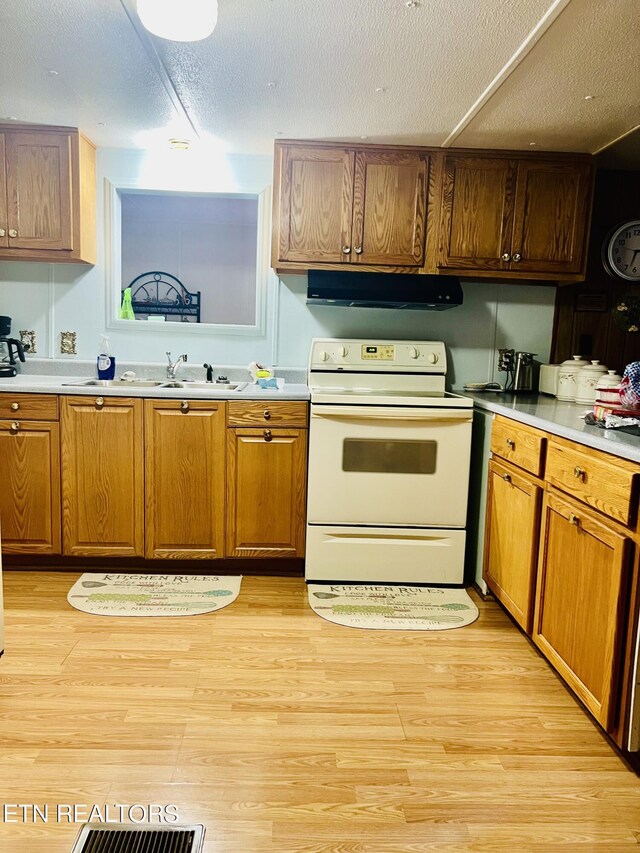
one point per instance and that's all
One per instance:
(106, 362)
(126, 309)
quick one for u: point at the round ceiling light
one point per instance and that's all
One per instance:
(179, 20)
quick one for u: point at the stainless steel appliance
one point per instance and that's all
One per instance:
(10, 348)
(520, 369)
(389, 454)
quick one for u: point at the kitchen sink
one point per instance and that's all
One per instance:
(118, 383)
(213, 386)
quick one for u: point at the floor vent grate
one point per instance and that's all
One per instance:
(127, 838)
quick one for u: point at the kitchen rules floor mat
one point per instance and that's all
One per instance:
(113, 594)
(395, 608)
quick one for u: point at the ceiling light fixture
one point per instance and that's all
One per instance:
(179, 144)
(179, 20)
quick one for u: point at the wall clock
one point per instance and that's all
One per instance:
(621, 251)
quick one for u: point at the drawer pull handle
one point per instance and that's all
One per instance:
(574, 519)
(15, 407)
(184, 406)
(267, 415)
(506, 478)
(99, 402)
(13, 232)
(511, 443)
(15, 426)
(268, 435)
(579, 473)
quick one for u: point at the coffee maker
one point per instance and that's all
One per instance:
(10, 349)
(520, 368)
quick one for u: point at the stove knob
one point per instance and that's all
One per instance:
(343, 352)
(323, 355)
(413, 352)
(432, 358)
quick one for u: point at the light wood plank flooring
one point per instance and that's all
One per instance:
(282, 732)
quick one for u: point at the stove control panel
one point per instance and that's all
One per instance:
(379, 356)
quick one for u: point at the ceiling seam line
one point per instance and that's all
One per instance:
(549, 17)
(158, 65)
(617, 139)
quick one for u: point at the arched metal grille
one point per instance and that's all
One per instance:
(160, 293)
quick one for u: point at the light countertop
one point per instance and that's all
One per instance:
(559, 418)
(57, 384)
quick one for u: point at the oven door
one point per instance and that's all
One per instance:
(389, 466)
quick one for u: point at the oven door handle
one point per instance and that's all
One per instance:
(380, 413)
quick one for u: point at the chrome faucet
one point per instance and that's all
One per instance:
(172, 366)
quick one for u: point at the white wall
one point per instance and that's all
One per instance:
(51, 298)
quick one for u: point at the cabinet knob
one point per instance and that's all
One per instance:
(511, 443)
(2, 232)
(579, 473)
(506, 477)
(13, 232)
(268, 436)
(99, 402)
(266, 415)
(15, 426)
(346, 250)
(517, 257)
(358, 250)
(15, 407)
(506, 256)
(184, 406)
(573, 519)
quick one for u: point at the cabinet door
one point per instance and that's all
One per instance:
(184, 482)
(30, 497)
(390, 208)
(477, 212)
(551, 216)
(579, 618)
(511, 540)
(39, 190)
(316, 204)
(102, 476)
(266, 492)
(4, 224)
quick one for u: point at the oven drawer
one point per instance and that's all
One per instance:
(384, 555)
(521, 445)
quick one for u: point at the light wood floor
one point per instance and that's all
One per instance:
(282, 732)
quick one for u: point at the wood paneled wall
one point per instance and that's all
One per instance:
(583, 321)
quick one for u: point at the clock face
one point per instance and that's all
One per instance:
(621, 251)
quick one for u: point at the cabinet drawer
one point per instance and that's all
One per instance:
(256, 412)
(605, 485)
(29, 407)
(520, 445)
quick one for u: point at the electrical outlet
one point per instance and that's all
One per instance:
(28, 340)
(68, 343)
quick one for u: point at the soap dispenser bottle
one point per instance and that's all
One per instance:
(106, 362)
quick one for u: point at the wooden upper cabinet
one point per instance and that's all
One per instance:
(552, 201)
(102, 476)
(340, 205)
(515, 218)
(390, 208)
(477, 212)
(47, 195)
(4, 224)
(38, 169)
(185, 478)
(316, 204)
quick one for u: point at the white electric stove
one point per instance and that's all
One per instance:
(389, 453)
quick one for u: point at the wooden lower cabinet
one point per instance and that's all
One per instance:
(511, 540)
(30, 494)
(102, 476)
(185, 476)
(266, 492)
(580, 601)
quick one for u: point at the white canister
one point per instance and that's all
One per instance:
(608, 388)
(567, 377)
(588, 378)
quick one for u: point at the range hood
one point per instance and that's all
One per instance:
(383, 290)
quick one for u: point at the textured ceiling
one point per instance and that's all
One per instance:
(309, 69)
